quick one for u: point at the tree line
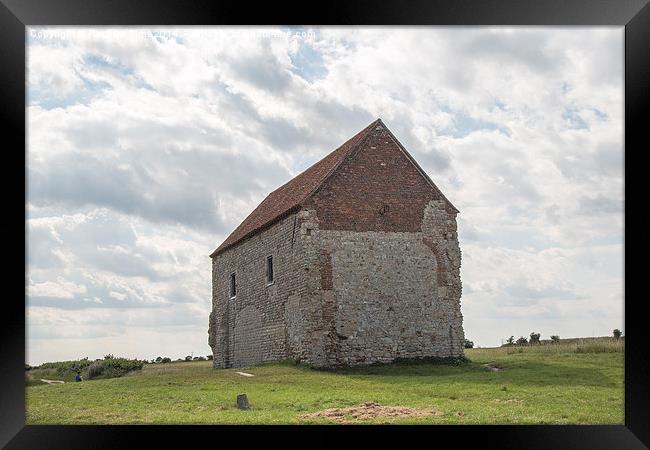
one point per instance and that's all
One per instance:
(533, 339)
(188, 358)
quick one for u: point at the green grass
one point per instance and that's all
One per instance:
(533, 387)
(577, 345)
(35, 375)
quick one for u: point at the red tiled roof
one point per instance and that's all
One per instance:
(291, 194)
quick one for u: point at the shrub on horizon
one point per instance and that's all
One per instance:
(112, 367)
(534, 338)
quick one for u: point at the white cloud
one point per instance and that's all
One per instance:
(145, 152)
(57, 289)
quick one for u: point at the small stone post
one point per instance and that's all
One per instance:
(242, 402)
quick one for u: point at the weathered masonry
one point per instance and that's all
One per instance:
(354, 261)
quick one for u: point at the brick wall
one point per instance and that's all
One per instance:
(376, 189)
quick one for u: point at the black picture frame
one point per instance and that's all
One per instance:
(15, 15)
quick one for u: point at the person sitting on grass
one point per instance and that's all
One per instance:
(78, 377)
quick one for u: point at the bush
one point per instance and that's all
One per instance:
(108, 367)
(166, 360)
(522, 341)
(112, 367)
(93, 371)
(188, 358)
(534, 338)
(469, 344)
(159, 359)
(209, 357)
(617, 333)
(65, 369)
(510, 340)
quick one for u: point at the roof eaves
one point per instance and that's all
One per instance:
(253, 232)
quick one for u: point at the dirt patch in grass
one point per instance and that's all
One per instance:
(370, 410)
(51, 381)
(510, 400)
(492, 367)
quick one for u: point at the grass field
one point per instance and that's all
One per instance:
(563, 384)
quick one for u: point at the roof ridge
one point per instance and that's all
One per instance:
(362, 136)
(365, 132)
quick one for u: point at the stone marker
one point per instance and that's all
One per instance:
(242, 402)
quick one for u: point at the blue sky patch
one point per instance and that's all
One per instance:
(573, 119)
(117, 68)
(601, 115)
(46, 99)
(465, 125)
(308, 63)
(102, 62)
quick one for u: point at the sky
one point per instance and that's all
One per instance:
(146, 147)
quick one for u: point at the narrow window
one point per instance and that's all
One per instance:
(233, 286)
(269, 270)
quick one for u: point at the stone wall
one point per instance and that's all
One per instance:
(251, 328)
(383, 248)
(385, 295)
